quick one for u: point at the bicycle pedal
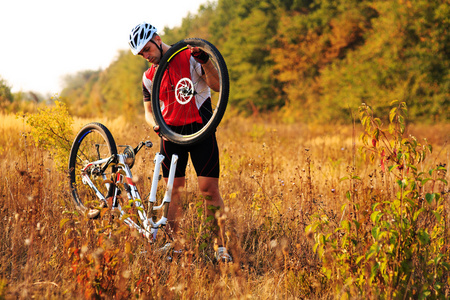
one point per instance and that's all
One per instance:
(95, 212)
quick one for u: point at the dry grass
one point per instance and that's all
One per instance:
(273, 177)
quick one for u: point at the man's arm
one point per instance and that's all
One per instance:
(210, 73)
(149, 118)
(148, 114)
(211, 76)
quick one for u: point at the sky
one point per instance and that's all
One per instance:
(43, 40)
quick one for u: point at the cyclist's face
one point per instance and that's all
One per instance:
(150, 52)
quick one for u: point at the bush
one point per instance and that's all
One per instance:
(391, 246)
(51, 129)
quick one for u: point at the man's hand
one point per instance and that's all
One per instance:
(201, 56)
(156, 129)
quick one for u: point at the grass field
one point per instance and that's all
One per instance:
(274, 178)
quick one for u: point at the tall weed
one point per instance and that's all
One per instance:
(273, 178)
(390, 243)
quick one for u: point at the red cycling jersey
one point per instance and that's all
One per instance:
(182, 69)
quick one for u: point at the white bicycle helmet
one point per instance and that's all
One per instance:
(140, 35)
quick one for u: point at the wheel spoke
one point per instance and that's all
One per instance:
(93, 143)
(184, 106)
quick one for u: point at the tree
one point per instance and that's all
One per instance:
(309, 40)
(121, 85)
(6, 97)
(313, 60)
(193, 25)
(403, 57)
(77, 91)
(245, 44)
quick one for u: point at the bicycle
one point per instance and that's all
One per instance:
(100, 176)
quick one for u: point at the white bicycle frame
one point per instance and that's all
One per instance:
(124, 176)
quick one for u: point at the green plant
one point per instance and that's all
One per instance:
(203, 232)
(396, 247)
(51, 129)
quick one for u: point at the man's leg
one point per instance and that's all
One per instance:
(173, 217)
(209, 187)
(174, 213)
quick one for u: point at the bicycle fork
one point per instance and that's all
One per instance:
(150, 222)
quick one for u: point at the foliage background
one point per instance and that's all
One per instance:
(306, 60)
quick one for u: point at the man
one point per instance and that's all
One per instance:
(145, 41)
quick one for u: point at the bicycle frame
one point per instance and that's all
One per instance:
(123, 176)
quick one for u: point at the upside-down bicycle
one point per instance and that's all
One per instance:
(101, 177)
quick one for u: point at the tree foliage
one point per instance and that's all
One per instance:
(78, 93)
(313, 60)
(6, 97)
(105, 93)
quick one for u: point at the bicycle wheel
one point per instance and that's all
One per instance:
(184, 106)
(93, 143)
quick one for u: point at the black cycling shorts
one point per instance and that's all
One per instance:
(204, 157)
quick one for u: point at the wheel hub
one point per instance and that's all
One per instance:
(184, 91)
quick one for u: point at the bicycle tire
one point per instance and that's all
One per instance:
(190, 133)
(93, 142)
